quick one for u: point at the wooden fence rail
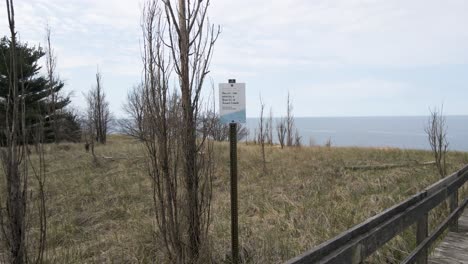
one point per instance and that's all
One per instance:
(359, 242)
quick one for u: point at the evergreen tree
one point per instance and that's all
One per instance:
(33, 88)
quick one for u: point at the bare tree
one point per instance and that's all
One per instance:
(134, 107)
(269, 128)
(98, 111)
(88, 129)
(436, 131)
(281, 131)
(289, 123)
(297, 139)
(51, 64)
(242, 132)
(191, 41)
(161, 139)
(211, 125)
(13, 215)
(16, 164)
(178, 38)
(218, 130)
(262, 133)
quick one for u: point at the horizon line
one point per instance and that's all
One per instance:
(360, 116)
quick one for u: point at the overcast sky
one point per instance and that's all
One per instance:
(335, 57)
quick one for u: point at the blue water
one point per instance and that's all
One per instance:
(400, 132)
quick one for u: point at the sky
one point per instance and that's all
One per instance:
(334, 57)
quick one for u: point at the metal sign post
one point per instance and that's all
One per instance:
(234, 213)
(232, 111)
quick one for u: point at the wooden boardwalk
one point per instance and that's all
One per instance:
(454, 248)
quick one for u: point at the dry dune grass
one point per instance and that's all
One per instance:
(102, 212)
(307, 196)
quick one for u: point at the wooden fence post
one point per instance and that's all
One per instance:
(421, 234)
(453, 206)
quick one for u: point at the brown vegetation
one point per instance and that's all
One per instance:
(103, 214)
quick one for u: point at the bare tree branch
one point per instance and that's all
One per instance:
(436, 131)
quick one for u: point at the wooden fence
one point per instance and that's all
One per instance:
(358, 243)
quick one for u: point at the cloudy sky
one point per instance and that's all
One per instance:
(335, 57)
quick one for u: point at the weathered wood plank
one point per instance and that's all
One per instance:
(453, 206)
(421, 249)
(421, 235)
(463, 223)
(454, 247)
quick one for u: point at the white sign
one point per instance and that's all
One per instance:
(232, 102)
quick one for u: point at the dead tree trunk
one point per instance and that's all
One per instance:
(98, 111)
(191, 41)
(262, 133)
(269, 128)
(289, 123)
(51, 62)
(16, 163)
(189, 137)
(16, 175)
(281, 131)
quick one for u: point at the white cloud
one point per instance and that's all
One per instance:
(279, 33)
(71, 61)
(267, 36)
(344, 32)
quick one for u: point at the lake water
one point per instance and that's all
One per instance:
(400, 132)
